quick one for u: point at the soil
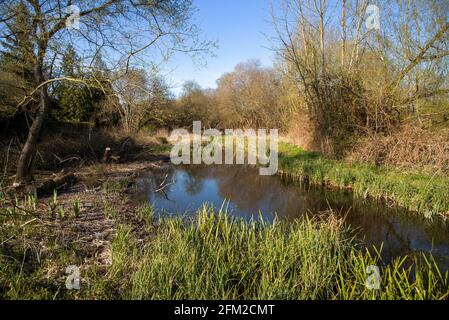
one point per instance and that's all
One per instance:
(91, 230)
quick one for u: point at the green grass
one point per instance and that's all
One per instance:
(219, 257)
(412, 190)
(216, 256)
(162, 147)
(115, 185)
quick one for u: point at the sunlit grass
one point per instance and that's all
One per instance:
(413, 190)
(216, 256)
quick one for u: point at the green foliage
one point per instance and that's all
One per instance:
(145, 213)
(53, 204)
(18, 54)
(219, 257)
(413, 190)
(115, 185)
(79, 96)
(419, 280)
(77, 208)
(216, 256)
(16, 60)
(76, 102)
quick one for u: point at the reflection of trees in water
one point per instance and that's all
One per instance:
(249, 192)
(398, 229)
(193, 185)
(154, 179)
(377, 223)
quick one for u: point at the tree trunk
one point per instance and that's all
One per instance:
(24, 167)
(343, 33)
(24, 172)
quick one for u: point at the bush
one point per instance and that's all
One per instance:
(409, 147)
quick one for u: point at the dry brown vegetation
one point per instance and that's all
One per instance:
(301, 132)
(408, 147)
(336, 85)
(356, 82)
(70, 146)
(340, 88)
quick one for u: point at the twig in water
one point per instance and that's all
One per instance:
(163, 185)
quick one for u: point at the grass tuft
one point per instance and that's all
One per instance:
(412, 190)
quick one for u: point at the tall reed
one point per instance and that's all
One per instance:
(217, 256)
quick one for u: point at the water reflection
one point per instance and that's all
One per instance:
(184, 189)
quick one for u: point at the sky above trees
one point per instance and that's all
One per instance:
(241, 29)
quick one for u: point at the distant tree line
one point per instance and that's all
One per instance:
(50, 69)
(350, 80)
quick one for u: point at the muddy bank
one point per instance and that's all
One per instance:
(72, 226)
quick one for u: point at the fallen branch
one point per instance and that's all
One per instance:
(50, 185)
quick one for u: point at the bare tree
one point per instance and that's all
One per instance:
(249, 97)
(376, 74)
(125, 32)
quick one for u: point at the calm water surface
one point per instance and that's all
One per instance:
(247, 193)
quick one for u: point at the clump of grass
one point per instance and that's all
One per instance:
(23, 276)
(145, 213)
(31, 202)
(115, 185)
(32, 259)
(109, 210)
(412, 190)
(163, 147)
(76, 208)
(420, 280)
(115, 284)
(217, 256)
(220, 257)
(53, 204)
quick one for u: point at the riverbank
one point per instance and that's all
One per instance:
(44, 231)
(428, 195)
(124, 252)
(213, 256)
(216, 256)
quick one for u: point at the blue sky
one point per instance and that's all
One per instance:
(239, 27)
